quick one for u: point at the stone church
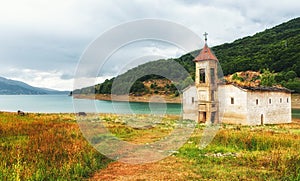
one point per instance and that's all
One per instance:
(209, 100)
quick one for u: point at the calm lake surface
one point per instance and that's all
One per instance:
(296, 113)
(66, 104)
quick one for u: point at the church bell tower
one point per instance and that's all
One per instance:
(206, 81)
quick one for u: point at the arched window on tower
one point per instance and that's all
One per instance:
(202, 76)
(212, 75)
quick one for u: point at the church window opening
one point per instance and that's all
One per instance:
(193, 100)
(287, 100)
(212, 75)
(232, 100)
(256, 101)
(280, 100)
(213, 117)
(202, 76)
(270, 101)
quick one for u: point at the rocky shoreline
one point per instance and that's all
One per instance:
(130, 98)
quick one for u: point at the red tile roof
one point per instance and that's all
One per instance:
(205, 54)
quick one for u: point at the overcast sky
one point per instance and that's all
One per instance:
(41, 41)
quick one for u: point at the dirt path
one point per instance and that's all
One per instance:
(171, 168)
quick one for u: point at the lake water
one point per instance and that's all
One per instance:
(66, 104)
(296, 113)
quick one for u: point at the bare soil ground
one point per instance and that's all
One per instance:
(171, 168)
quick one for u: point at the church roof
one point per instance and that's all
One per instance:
(205, 54)
(260, 88)
(269, 89)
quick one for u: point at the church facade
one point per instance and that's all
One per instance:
(211, 101)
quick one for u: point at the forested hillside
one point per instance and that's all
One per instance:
(276, 50)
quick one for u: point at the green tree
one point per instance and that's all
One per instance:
(173, 88)
(290, 75)
(293, 85)
(279, 77)
(268, 78)
(138, 86)
(188, 81)
(153, 85)
(236, 77)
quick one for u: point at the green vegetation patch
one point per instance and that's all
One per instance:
(246, 153)
(45, 147)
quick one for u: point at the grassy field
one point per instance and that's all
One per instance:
(259, 153)
(270, 152)
(45, 147)
(51, 147)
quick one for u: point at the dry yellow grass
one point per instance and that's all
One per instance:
(263, 152)
(51, 146)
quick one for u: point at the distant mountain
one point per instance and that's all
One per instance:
(13, 87)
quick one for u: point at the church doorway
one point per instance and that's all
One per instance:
(262, 119)
(202, 117)
(213, 117)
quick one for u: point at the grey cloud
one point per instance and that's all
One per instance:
(267, 12)
(56, 41)
(66, 76)
(103, 48)
(39, 52)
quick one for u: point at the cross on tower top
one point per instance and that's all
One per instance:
(205, 36)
